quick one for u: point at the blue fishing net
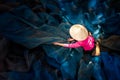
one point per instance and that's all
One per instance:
(29, 29)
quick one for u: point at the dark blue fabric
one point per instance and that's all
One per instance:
(85, 70)
(65, 60)
(37, 72)
(97, 68)
(111, 65)
(113, 21)
(39, 23)
(26, 28)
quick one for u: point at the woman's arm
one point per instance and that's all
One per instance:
(97, 49)
(59, 44)
(72, 45)
(70, 39)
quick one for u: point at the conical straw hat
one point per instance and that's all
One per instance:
(78, 32)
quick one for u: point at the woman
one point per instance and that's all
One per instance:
(83, 39)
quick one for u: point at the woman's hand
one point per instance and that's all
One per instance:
(70, 39)
(90, 33)
(56, 43)
(59, 44)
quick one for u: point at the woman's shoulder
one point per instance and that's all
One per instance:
(91, 37)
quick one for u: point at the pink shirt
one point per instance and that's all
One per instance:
(87, 44)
